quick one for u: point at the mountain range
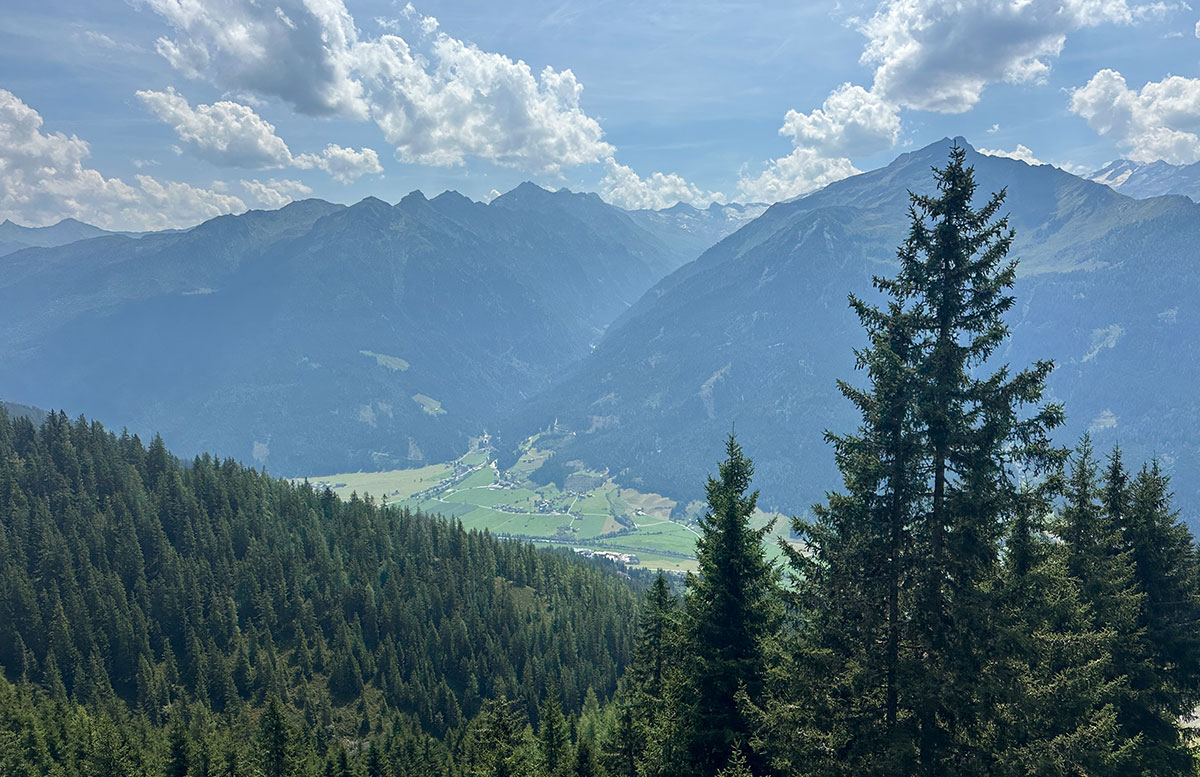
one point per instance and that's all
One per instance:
(1150, 179)
(321, 338)
(753, 334)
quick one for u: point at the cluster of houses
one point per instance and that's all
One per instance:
(624, 558)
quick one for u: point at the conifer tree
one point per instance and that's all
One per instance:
(178, 747)
(274, 741)
(900, 569)
(732, 609)
(1057, 686)
(1167, 686)
(553, 737)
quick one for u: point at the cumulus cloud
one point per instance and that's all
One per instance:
(297, 50)
(926, 55)
(800, 172)
(224, 133)
(230, 134)
(851, 121)
(624, 188)
(46, 179)
(344, 165)
(437, 99)
(1021, 153)
(275, 193)
(1160, 121)
(451, 100)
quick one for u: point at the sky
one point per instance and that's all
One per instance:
(151, 114)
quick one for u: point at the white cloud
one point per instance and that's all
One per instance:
(103, 41)
(229, 134)
(624, 188)
(800, 172)
(344, 165)
(224, 133)
(928, 54)
(437, 99)
(1021, 153)
(296, 50)
(275, 193)
(1198, 29)
(45, 179)
(461, 101)
(851, 121)
(1161, 121)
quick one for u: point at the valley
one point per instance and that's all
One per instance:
(589, 511)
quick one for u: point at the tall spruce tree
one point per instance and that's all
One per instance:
(732, 607)
(901, 568)
(1166, 686)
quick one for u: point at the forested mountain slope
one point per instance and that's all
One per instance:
(139, 586)
(755, 332)
(319, 338)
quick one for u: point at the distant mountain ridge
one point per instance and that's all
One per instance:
(14, 237)
(753, 334)
(699, 228)
(1150, 179)
(320, 338)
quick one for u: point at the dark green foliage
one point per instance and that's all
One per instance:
(146, 589)
(901, 569)
(275, 748)
(731, 610)
(553, 738)
(178, 750)
(1165, 684)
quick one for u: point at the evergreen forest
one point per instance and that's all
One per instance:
(971, 599)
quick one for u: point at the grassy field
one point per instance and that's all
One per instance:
(601, 516)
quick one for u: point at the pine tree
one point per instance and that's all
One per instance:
(274, 741)
(553, 737)
(178, 749)
(1165, 573)
(584, 762)
(900, 570)
(1058, 688)
(732, 609)
(653, 647)
(496, 747)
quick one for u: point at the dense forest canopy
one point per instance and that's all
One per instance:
(137, 587)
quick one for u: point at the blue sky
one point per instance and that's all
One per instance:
(161, 113)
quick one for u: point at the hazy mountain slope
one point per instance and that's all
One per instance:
(1150, 179)
(694, 229)
(318, 338)
(754, 333)
(14, 237)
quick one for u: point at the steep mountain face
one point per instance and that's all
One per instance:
(318, 338)
(1150, 179)
(752, 335)
(694, 229)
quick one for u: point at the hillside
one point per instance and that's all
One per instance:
(754, 333)
(322, 338)
(148, 590)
